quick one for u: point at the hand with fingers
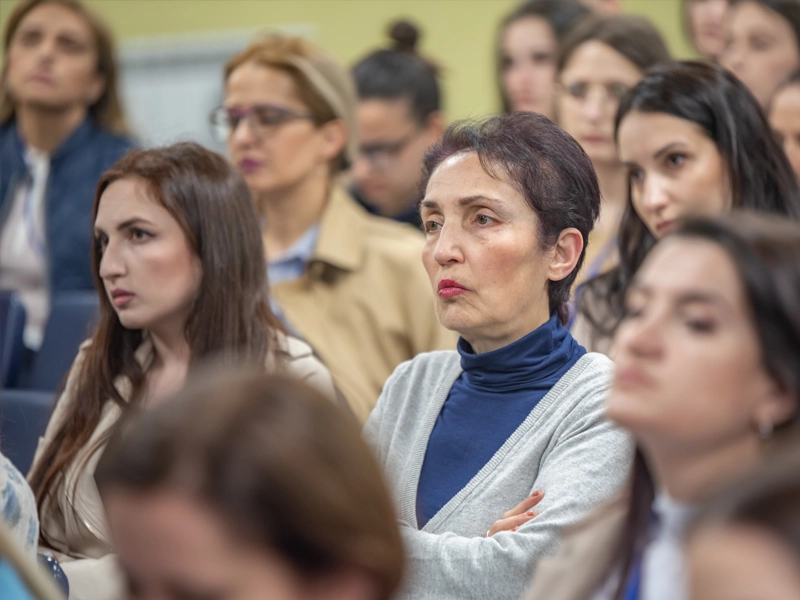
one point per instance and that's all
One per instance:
(517, 516)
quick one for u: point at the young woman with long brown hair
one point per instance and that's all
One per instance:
(179, 268)
(706, 380)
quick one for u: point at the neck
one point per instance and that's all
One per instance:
(171, 349)
(614, 190)
(482, 342)
(288, 214)
(46, 129)
(690, 476)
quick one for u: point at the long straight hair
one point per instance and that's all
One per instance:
(760, 178)
(766, 254)
(107, 110)
(231, 319)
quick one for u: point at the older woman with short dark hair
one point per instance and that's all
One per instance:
(515, 416)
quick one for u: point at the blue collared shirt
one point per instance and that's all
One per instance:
(292, 263)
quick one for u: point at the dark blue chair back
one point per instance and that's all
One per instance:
(12, 348)
(23, 419)
(73, 316)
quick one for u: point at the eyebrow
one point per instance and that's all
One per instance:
(466, 201)
(129, 223)
(685, 298)
(671, 146)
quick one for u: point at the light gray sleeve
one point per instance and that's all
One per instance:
(587, 466)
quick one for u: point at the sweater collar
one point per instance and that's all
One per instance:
(533, 359)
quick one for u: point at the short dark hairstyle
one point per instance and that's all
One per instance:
(635, 37)
(759, 174)
(400, 73)
(562, 15)
(546, 165)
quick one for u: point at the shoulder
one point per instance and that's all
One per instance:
(590, 376)
(302, 363)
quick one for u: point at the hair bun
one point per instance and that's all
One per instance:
(404, 35)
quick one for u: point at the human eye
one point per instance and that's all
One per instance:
(432, 226)
(30, 37)
(578, 90)
(617, 90)
(101, 241)
(268, 117)
(138, 234)
(484, 220)
(635, 174)
(760, 44)
(676, 160)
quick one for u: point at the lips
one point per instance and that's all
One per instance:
(121, 297)
(248, 165)
(449, 288)
(632, 378)
(665, 227)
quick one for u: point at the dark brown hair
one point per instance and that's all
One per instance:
(766, 254)
(275, 460)
(231, 317)
(107, 110)
(634, 37)
(759, 174)
(546, 166)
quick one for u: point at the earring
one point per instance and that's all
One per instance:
(765, 429)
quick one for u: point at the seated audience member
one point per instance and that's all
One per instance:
(399, 118)
(250, 486)
(598, 62)
(516, 414)
(704, 23)
(526, 53)
(746, 541)
(20, 576)
(18, 507)
(180, 273)
(694, 142)
(705, 377)
(61, 126)
(784, 118)
(350, 283)
(763, 46)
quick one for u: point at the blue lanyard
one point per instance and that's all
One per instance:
(634, 580)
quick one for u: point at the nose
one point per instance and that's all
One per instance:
(360, 169)
(655, 195)
(112, 266)
(448, 246)
(640, 337)
(595, 105)
(242, 136)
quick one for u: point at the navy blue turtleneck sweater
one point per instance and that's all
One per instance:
(488, 402)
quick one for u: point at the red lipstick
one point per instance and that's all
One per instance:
(449, 288)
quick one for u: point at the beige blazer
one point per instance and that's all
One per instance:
(364, 302)
(580, 567)
(75, 522)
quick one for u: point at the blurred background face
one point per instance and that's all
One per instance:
(278, 158)
(707, 25)
(482, 255)
(592, 83)
(762, 50)
(151, 275)
(674, 169)
(689, 369)
(392, 143)
(52, 60)
(528, 62)
(784, 118)
(739, 561)
(171, 547)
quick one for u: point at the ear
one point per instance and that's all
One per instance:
(565, 254)
(334, 138)
(435, 126)
(95, 89)
(779, 407)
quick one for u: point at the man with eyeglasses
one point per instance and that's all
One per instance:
(399, 118)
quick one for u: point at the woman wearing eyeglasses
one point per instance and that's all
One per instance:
(350, 283)
(599, 61)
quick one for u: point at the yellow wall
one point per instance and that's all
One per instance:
(459, 34)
